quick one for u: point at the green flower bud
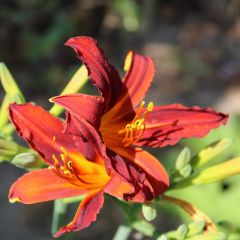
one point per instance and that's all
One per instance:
(182, 232)
(210, 152)
(234, 236)
(8, 149)
(183, 159)
(186, 171)
(10, 86)
(209, 236)
(27, 160)
(149, 212)
(195, 228)
(162, 237)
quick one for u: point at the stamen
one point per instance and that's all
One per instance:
(63, 150)
(66, 168)
(55, 160)
(134, 130)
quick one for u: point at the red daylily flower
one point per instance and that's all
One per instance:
(77, 166)
(124, 123)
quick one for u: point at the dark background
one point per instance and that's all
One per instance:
(195, 46)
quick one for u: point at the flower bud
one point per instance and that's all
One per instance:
(183, 159)
(149, 212)
(210, 152)
(212, 174)
(186, 171)
(27, 160)
(8, 149)
(182, 232)
(10, 86)
(162, 237)
(195, 228)
(210, 236)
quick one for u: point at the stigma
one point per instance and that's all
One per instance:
(134, 130)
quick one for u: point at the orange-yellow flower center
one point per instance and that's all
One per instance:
(78, 170)
(134, 130)
(66, 168)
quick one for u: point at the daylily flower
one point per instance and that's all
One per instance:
(77, 166)
(123, 121)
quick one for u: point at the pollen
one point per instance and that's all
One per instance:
(134, 130)
(56, 161)
(63, 167)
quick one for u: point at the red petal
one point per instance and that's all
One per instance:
(139, 76)
(129, 182)
(81, 128)
(86, 213)
(42, 185)
(166, 125)
(42, 131)
(103, 74)
(83, 106)
(155, 172)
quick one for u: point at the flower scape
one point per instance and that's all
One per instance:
(100, 148)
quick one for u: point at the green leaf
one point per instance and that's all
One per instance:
(10, 86)
(210, 152)
(74, 85)
(4, 111)
(212, 174)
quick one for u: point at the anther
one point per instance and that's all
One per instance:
(69, 164)
(150, 106)
(135, 129)
(55, 160)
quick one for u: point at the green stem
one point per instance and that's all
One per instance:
(122, 232)
(59, 211)
(145, 228)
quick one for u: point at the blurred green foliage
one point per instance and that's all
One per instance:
(32, 33)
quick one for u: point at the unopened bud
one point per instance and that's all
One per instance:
(162, 237)
(210, 236)
(149, 211)
(210, 152)
(183, 159)
(28, 160)
(8, 149)
(186, 171)
(195, 228)
(182, 231)
(10, 86)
